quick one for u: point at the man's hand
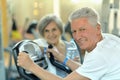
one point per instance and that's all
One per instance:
(24, 61)
(58, 56)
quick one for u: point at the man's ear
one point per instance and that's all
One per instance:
(98, 27)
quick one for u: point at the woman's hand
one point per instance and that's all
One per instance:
(24, 61)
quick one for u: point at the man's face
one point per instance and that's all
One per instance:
(85, 34)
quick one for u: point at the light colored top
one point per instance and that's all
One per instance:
(71, 53)
(103, 63)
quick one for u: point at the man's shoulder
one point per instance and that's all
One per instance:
(111, 37)
(108, 35)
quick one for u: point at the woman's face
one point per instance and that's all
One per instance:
(52, 33)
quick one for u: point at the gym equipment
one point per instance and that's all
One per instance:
(35, 54)
(58, 64)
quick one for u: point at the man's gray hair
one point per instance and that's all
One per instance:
(86, 12)
(44, 21)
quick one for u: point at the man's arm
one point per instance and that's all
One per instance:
(45, 75)
(25, 62)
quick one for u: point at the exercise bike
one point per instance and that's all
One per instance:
(33, 49)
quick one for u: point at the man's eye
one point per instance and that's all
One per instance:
(73, 31)
(82, 29)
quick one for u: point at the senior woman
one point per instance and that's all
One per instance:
(51, 29)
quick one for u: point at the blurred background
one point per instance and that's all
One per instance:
(17, 15)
